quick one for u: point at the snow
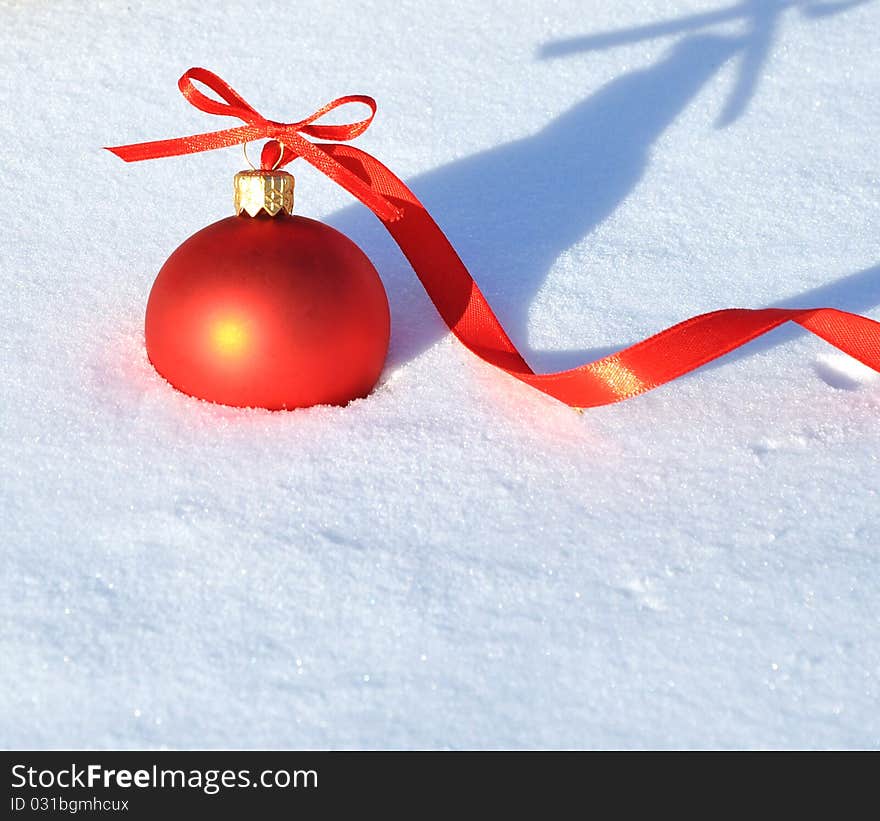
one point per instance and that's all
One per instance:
(456, 561)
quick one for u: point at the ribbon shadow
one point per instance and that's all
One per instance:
(511, 211)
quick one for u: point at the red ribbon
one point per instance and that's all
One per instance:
(635, 370)
(286, 140)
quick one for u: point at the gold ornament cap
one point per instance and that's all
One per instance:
(269, 191)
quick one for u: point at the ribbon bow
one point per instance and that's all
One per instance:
(286, 140)
(630, 372)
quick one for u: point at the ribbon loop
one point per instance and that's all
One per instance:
(630, 372)
(342, 132)
(235, 105)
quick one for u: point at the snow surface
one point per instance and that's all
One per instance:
(456, 561)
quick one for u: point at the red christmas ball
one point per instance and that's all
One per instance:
(269, 311)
